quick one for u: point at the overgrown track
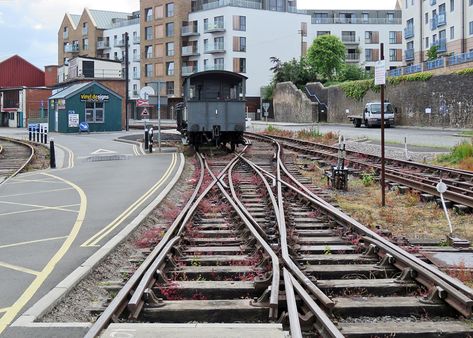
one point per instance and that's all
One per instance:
(15, 155)
(418, 176)
(253, 244)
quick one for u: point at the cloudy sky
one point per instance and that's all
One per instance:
(29, 27)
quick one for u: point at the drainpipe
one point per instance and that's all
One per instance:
(463, 28)
(421, 23)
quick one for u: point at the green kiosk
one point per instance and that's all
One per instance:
(90, 102)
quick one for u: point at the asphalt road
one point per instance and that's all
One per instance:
(51, 221)
(436, 138)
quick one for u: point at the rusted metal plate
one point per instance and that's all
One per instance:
(449, 260)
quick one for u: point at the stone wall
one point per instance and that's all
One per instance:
(449, 98)
(292, 105)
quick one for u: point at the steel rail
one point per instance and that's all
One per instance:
(24, 164)
(118, 302)
(294, 322)
(239, 208)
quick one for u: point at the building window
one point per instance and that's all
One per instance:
(85, 28)
(318, 18)
(348, 36)
(452, 33)
(170, 87)
(169, 68)
(170, 29)
(219, 63)
(159, 12)
(239, 44)
(219, 43)
(239, 65)
(365, 17)
(94, 112)
(169, 10)
(471, 23)
(65, 34)
(452, 5)
(148, 52)
(392, 55)
(392, 37)
(170, 49)
(427, 42)
(320, 33)
(368, 54)
(148, 33)
(426, 18)
(148, 14)
(390, 17)
(239, 23)
(371, 37)
(218, 22)
(85, 44)
(148, 70)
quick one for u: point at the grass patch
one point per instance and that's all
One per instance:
(461, 156)
(313, 134)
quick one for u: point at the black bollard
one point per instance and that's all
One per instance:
(30, 132)
(52, 154)
(146, 139)
(151, 140)
(45, 135)
(41, 131)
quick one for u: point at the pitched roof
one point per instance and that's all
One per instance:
(75, 88)
(104, 19)
(75, 19)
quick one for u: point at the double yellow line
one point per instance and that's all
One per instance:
(70, 156)
(95, 239)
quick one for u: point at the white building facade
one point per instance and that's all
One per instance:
(447, 24)
(243, 39)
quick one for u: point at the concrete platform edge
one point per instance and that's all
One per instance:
(53, 297)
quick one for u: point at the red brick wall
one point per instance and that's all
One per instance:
(33, 102)
(50, 75)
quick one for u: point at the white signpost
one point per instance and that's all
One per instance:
(380, 73)
(73, 120)
(442, 188)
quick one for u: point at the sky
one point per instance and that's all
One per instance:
(29, 28)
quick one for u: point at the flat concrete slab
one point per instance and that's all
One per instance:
(451, 260)
(195, 330)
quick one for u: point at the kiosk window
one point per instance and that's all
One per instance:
(94, 112)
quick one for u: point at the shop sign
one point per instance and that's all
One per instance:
(94, 97)
(73, 119)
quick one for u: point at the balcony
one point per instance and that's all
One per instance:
(356, 21)
(215, 28)
(409, 54)
(434, 23)
(217, 48)
(441, 19)
(103, 44)
(119, 43)
(409, 32)
(136, 40)
(352, 57)
(189, 70)
(189, 31)
(234, 3)
(215, 67)
(441, 44)
(71, 48)
(189, 51)
(350, 40)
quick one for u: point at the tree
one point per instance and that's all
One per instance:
(433, 52)
(326, 55)
(295, 71)
(350, 72)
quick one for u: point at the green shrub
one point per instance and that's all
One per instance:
(367, 178)
(271, 128)
(464, 71)
(394, 81)
(358, 89)
(459, 152)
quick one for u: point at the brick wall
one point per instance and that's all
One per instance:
(33, 102)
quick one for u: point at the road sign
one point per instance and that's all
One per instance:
(380, 73)
(265, 106)
(142, 103)
(84, 126)
(145, 92)
(145, 112)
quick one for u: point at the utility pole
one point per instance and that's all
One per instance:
(383, 182)
(303, 33)
(127, 81)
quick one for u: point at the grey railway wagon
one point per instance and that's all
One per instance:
(214, 108)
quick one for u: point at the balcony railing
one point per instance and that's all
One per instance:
(356, 21)
(215, 67)
(189, 31)
(71, 48)
(214, 28)
(409, 32)
(234, 3)
(395, 72)
(103, 44)
(409, 54)
(460, 58)
(441, 19)
(189, 51)
(412, 69)
(119, 43)
(352, 57)
(123, 23)
(189, 70)
(441, 44)
(350, 39)
(217, 48)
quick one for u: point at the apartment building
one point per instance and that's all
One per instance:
(183, 37)
(100, 34)
(447, 24)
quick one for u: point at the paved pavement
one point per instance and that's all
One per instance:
(51, 221)
(425, 137)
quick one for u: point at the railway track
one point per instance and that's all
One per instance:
(418, 176)
(15, 155)
(255, 245)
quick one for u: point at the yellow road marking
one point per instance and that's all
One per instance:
(70, 156)
(36, 192)
(18, 268)
(39, 208)
(13, 311)
(117, 221)
(135, 150)
(31, 242)
(5, 309)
